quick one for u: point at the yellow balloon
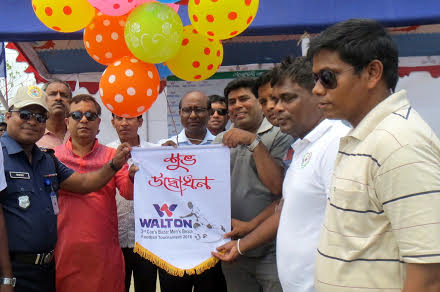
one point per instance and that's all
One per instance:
(63, 15)
(222, 19)
(198, 57)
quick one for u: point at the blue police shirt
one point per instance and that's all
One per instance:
(27, 207)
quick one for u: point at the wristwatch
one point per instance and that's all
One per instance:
(113, 166)
(8, 281)
(254, 144)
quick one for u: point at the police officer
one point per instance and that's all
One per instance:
(29, 203)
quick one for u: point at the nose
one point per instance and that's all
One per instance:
(58, 96)
(278, 107)
(318, 89)
(124, 121)
(84, 119)
(192, 115)
(215, 114)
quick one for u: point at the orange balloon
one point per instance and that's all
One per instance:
(129, 87)
(104, 38)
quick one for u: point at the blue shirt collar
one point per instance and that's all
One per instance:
(13, 147)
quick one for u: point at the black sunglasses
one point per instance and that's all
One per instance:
(77, 116)
(220, 111)
(328, 78)
(26, 115)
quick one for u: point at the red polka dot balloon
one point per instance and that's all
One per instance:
(129, 87)
(198, 57)
(104, 38)
(222, 19)
(64, 15)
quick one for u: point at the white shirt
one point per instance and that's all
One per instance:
(305, 191)
(183, 140)
(125, 207)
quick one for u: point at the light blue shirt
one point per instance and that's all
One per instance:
(183, 140)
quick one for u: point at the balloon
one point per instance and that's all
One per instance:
(153, 32)
(64, 15)
(113, 7)
(198, 58)
(222, 19)
(174, 6)
(168, 1)
(129, 87)
(104, 38)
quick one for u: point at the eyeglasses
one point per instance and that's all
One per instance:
(328, 77)
(220, 111)
(26, 115)
(197, 110)
(77, 116)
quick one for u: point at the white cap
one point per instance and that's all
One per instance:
(29, 95)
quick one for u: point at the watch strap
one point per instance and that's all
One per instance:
(254, 144)
(113, 166)
(8, 281)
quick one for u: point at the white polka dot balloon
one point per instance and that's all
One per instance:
(129, 87)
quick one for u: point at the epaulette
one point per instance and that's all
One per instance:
(47, 150)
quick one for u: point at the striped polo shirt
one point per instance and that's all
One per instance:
(384, 204)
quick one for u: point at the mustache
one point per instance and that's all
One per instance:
(58, 103)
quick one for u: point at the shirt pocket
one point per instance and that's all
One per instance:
(20, 193)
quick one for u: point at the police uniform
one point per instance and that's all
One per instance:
(29, 213)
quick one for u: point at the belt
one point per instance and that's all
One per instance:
(32, 258)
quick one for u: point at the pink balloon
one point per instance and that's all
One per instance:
(114, 7)
(172, 5)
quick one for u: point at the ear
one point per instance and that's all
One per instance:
(113, 123)
(7, 116)
(375, 73)
(141, 121)
(66, 121)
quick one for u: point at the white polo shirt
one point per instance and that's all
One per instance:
(305, 191)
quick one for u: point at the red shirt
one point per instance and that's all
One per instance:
(88, 256)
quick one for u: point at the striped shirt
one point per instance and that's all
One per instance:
(383, 210)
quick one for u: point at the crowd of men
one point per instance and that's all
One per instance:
(335, 181)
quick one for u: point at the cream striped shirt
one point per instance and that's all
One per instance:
(384, 205)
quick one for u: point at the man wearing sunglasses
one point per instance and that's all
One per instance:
(306, 182)
(194, 110)
(88, 225)
(58, 95)
(30, 202)
(218, 114)
(257, 149)
(381, 230)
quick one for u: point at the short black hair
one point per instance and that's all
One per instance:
(358, 42)
(298, 70)
(217, 99)
(58, 81)
(242, 82)
(262, 80)
(87, 98)
(3, 124)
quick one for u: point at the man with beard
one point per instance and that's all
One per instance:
(58, 94)
(218, 115)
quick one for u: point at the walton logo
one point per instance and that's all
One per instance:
(165, 223)
(165, 209)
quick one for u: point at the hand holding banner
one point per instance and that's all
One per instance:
(182, 205)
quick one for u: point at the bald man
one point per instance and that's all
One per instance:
(194, 110)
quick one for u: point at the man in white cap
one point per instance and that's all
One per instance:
(29, 203)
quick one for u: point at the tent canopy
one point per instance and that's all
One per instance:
(273, 34)
(19, 23)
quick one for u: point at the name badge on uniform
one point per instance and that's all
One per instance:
(21, 175)
(24, 202)
(53, 198)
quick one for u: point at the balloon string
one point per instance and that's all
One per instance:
(172, 115)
